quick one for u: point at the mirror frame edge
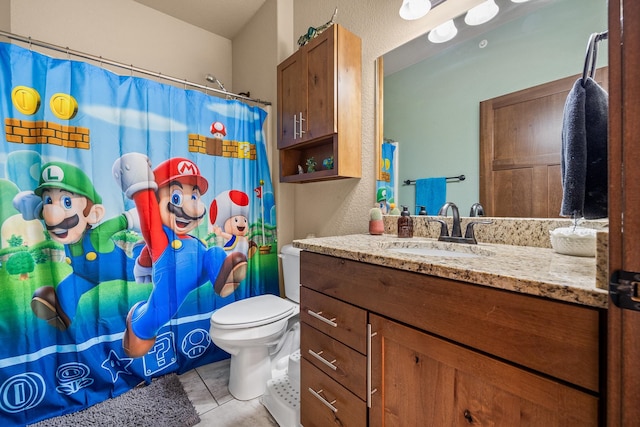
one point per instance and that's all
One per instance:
(379, 112)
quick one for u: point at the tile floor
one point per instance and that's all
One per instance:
(207, 390)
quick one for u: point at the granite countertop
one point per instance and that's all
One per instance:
(524, 269)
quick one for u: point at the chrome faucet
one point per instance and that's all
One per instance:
(456, 231)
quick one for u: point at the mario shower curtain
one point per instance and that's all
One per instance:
(129, 210)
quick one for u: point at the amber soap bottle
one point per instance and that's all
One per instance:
(405, 223)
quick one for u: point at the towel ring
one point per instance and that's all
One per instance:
(591, 56)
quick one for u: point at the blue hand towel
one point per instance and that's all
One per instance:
(431, 193)
(584, 151)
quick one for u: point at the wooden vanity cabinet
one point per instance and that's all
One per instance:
(320, 107)
(445, 353)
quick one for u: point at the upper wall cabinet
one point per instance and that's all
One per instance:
(320, 109)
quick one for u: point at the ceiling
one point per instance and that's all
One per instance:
(222, 17)
(227, 17)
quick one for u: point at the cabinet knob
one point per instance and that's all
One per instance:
(468, 416)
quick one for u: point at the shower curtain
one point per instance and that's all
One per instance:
(130, 210)
(387, 187)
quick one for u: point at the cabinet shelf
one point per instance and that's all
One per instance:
(320, 150)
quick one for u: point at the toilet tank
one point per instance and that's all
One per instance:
(291, 272)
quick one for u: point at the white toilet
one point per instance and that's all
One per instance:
(253, 330)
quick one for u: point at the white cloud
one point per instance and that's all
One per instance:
(133, 118)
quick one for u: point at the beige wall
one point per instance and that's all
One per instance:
(5, 15)
(257, 51)
(128, 32)
(342, 207)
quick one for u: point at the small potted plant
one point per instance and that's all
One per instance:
(311, 165)
(376, 223)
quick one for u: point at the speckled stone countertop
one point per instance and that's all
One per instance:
(525, 269)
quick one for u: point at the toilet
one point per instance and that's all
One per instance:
(255, 330)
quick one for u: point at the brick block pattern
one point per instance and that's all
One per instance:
(42, 132)
(222, 148)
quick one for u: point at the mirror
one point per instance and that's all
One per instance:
(431, 93)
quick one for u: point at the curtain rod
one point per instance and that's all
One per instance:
(100, 59)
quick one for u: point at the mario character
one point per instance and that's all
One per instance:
(70, 206)
(169, 203)
(228, 215)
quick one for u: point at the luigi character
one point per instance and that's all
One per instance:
(70, 206)
(170, 207)
(381, 198)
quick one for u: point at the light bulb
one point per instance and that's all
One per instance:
(414, 9)
(443, 32)
(482, 13)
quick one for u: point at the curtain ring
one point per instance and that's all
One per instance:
(68, 55)
(185, 84)
(30, 43)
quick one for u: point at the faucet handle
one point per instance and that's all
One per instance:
(470, 234)
(444, 230)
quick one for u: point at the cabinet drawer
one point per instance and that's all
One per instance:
(341, 321)
(335, 359)
(324, 402)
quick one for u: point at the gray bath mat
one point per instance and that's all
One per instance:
(163, 403)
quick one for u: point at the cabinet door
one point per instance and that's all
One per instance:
(291, 99)
(320, 117)
(424, 381)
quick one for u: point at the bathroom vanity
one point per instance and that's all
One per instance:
(419, 332)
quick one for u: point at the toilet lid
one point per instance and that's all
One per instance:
(253, 311)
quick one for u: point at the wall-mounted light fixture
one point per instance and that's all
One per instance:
(484, 12)
(414, 9)
(443, 32)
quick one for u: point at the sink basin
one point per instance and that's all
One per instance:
(436, 249)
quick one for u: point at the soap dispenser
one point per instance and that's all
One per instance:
(405, 223)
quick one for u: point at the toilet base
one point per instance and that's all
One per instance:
(249, 373)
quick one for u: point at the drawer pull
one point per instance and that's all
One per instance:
(370, 389)
(323, 360)
(323, 400)
(319, 316)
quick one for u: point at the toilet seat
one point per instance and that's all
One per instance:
(251, 312)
